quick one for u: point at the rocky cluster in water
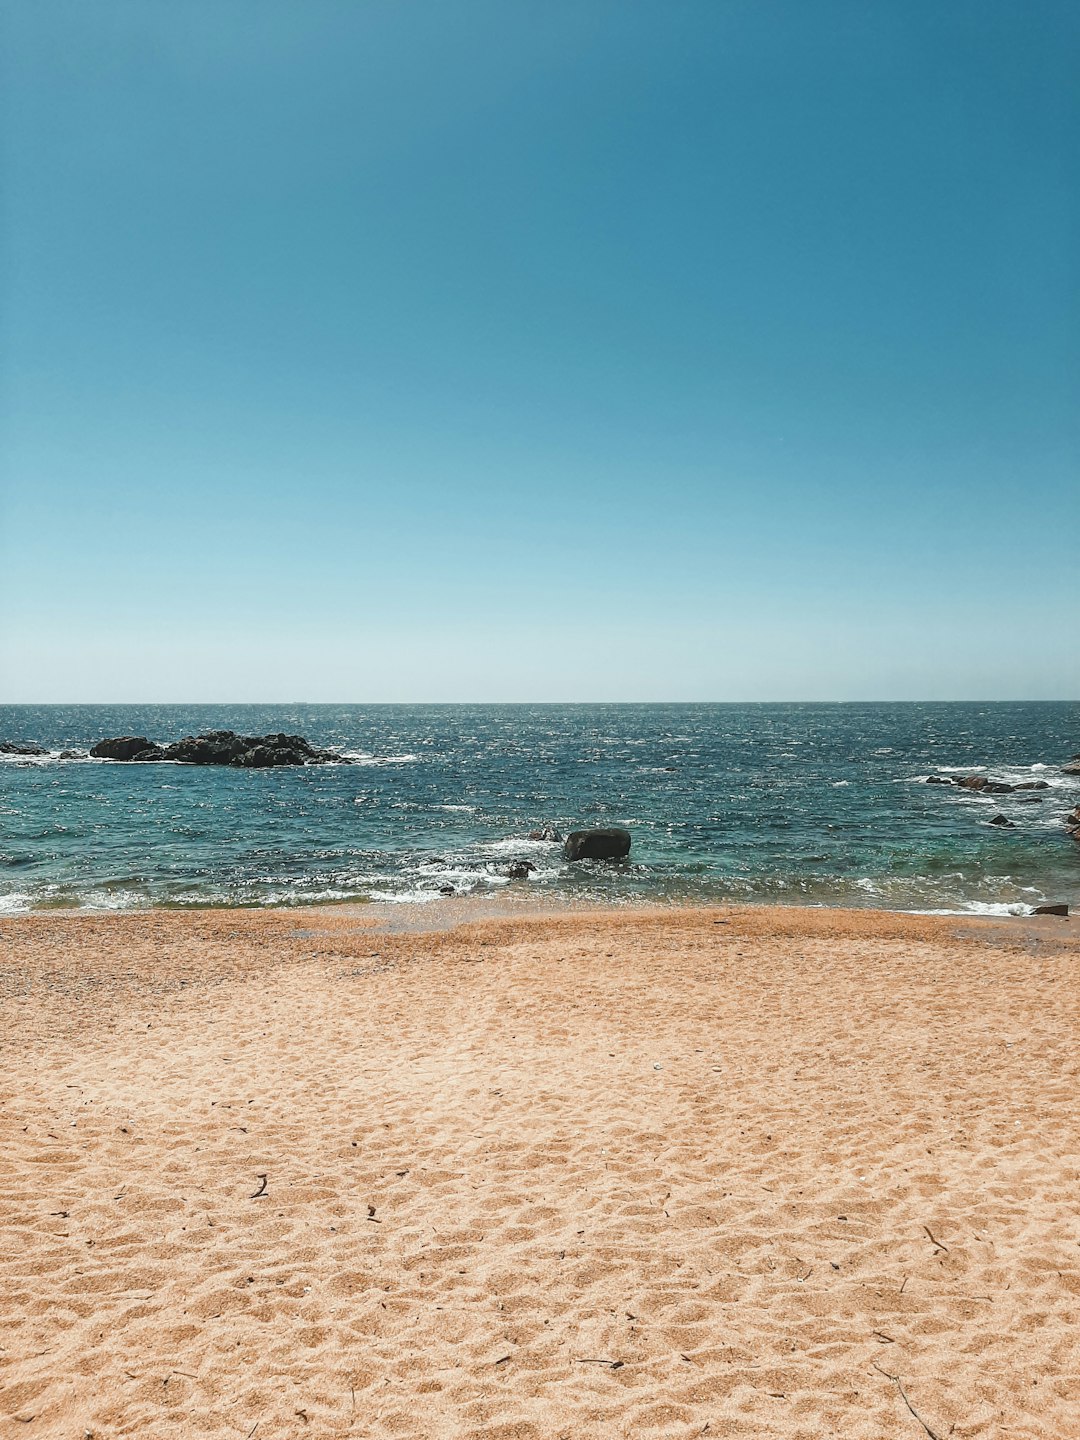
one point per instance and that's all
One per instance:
(219, 747)
(984, 785)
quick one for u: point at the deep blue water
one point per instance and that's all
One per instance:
(797, 803)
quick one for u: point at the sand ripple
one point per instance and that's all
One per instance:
(635, 1175)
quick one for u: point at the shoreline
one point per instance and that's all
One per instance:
(451, 912)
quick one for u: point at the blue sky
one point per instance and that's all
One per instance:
(539, 351)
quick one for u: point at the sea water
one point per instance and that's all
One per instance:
(811, 804)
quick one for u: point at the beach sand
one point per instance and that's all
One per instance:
(741, 1172)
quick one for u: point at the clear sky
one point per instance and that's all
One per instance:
(562, 350)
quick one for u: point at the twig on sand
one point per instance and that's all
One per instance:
(903, 1395)
(260, 1191)
(934, 1240)
(614, 1364)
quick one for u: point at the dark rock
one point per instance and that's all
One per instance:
(1032, 785)
(1030, 800)
(447, 890)
(1001, 821)
(1072, 820)
(519, 869)
(21, 747)
(220, 747)
(70, 755)
(248, 752)
(981, 783)
(1051, 910)
(938, 780)
(547, 832)
(216, 747)
(608, 844)
(1072, 768)
(123, 747)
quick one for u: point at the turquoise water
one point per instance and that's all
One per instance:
(799, 803)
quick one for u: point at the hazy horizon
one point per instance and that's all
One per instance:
(656, 353)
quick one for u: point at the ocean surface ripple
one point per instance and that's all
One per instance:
(817, 804)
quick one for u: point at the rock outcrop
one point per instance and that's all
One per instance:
(1050, 910)
(121, 747)
(608, 844)
(21, 747)
(546, 832)
(220, 747)
(984, 785)
(1002, 822)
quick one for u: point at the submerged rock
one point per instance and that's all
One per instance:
(519, 869)
(612, 843)
(1002, 822)
(938, 780)
(1032, 785)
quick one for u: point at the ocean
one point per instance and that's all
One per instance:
(788, 803)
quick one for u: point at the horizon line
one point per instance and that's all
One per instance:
(463, 704)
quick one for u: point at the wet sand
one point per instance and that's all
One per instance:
(745, 1172)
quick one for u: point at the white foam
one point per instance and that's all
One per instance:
(362, 757)
(513, 845)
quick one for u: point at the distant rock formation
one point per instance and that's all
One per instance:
(220, 747)
(609, 844)
(21, 747)
(123, 747)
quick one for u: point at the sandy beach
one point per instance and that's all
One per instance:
(745, 1172)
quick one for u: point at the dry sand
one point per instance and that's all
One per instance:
(724, 1173)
